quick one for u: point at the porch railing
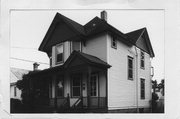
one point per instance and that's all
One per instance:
(81, 103)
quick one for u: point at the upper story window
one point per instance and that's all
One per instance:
(59, 54)
(114, 43)
(130, 68)
(142, 60)
(75, 45)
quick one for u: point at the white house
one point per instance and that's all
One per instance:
(95, 67)
(15, 75)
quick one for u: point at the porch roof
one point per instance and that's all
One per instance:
(75, 55)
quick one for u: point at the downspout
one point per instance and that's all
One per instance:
(137, 105)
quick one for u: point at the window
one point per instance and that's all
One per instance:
(142, 88)
(50, 61)
(130, 68)
(93, 85)
(15, 93)
(114, 43)
(60, 86)
(59, 53)
(75, 45)
(76, 86)
(142, 60)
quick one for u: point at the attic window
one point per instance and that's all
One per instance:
(75, 45)
(114, 43)
(59, 53)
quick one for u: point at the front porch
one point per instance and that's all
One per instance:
(75, 86)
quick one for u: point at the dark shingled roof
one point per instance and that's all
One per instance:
(134, 35)
(89, 59)
(93, 27)
(78, 27)
(92, 59)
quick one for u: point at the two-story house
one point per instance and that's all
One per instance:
(95, 66)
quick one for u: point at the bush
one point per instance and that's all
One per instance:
(16, 105)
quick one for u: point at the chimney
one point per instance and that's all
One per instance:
(35, 66)
(104, 15)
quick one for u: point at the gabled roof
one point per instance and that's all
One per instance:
(86, 58)
(17, 74)
(59, 18)
(89, 59)
(141, 34)
(134, 35)
(93, 27)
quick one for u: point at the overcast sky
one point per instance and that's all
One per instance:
(28, 29)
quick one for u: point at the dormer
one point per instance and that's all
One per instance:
(63, 36)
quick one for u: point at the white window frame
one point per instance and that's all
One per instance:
(72, 86)
(114, 40)
(97, 88)
(60, 62)
(130, 58)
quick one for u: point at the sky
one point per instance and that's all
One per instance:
(28, 28)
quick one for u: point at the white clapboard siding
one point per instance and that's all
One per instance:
(121, 91)
(96, 46)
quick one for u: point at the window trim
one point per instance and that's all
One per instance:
(142, 60)
(71, 46)
(72, 78)
(57, 81)
(142, 96)
(50, 61)
(131, 58)
(15, 91)
(97, 84)
(60, 62)
(112, 41)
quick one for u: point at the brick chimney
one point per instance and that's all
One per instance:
(104, 15)
(35, 66)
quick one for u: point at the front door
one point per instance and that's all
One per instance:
(94, 100)
(76, 88)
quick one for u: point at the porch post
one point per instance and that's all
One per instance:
(88, 87)
(55, 93)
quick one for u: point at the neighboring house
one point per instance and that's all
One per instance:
(95, 66)
(15, 75)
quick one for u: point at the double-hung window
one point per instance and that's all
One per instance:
(59, 54)
(130, 68)
(114, 43)
(15, 91)
(75, 45)
(76, 86)
(142, 88)
(94, 84)
(60, 86)
(142, 60)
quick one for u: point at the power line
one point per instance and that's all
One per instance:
(23, 48)
(28, 60)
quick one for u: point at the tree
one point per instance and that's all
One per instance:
(161, 86)
(27, 94)
(154, 85)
